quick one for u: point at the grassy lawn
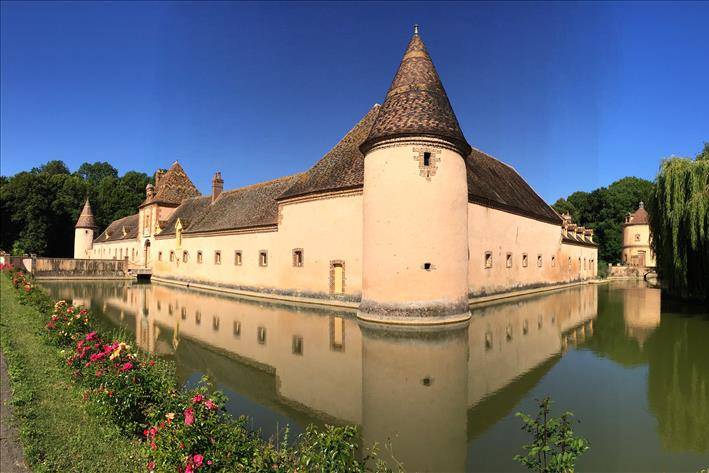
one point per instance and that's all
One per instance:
(57, 429)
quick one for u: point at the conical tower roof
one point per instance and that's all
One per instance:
(639, 217)
(417, 104)
(86, 219)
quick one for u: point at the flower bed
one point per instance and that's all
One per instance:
(180, 430)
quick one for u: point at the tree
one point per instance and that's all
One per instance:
(679, 222)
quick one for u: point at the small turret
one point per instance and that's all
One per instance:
(149, 191)
(84, 232)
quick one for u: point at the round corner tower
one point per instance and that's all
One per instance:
(415, 202)
(84, 232)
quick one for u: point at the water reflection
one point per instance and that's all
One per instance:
(434, 392)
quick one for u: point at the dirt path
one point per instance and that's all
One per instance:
(11, 458)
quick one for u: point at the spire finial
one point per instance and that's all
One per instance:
(642, 204)
(416, 28)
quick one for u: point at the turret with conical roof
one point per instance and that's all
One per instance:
(84, 232)
(415, 196)
(416, 104)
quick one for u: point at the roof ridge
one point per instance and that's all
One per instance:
(264, 183)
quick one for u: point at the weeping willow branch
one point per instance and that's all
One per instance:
(679, 221)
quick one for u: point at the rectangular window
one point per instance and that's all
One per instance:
(508, 260)
(263, 258)
(159, 255)
(426, 159)
(183, 314)
(237, 328)
(553, 261)
(337, 334)
(539, 260)
(237, 258)
(198, 317)
(297, 345)
(488, 259)
(172, 256)
(261, 335)
(185, 256)
(569, 262)
(199, 257)
(217, 257)
(215, 323)
(525, 260)
(298, 257)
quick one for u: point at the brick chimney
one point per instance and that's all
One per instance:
(158, 176)
(217, 185)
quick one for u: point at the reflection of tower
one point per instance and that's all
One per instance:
(641, 311)
(414, 393)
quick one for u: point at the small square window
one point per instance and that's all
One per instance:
(488, 259)
(217, 257)
(427, 266)
(637, 237)
(199, 257)
(297, 345)
(298, 257)
(539, 260)
(261, 335)
(237, 328)
(525, 260)
(237, 258)
(263, 258)
(508, 260)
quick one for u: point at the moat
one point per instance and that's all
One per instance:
(633, 367)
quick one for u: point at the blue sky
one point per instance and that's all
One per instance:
(573, 95)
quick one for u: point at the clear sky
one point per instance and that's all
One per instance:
(573, 95)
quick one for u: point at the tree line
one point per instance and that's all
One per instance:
(38, 208)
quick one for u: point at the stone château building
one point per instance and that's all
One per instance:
(402, 216)
(636, 240)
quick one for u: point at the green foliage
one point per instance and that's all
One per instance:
(679, 220)
(38, 209)
(554, 447)
(604, 210)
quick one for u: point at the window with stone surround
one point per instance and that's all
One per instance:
(236, 330)
(237, 258)
(263, 258)
(553, 261)
(508, 260)
(261, 335)
(198, 317)
(185, 256)
(217, 257)
(297, 345)
(525, 260)
(488, 259)
(172, 256)
(539, 260)
(637, 237)
(298, 257)
(159, 255)
(199, 257)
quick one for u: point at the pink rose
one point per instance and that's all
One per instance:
(197, 399)
(197, 459)
(126, 367)
(189, 416)
(210, 404)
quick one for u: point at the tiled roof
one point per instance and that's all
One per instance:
(495, 184)
(190, 212)
(86, 219)
(639, 217)
(250, 206)
(417, 104)
(125, 228)
(174, 186)
(342, 167)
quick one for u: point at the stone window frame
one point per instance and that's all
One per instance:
(261, 335)
(508, 260)
(333, 263)
(217, 256)
(198, 317)
(553, 261)
(236, 328)
(200, 257)
(159, 256)
(238, 258)
(540, 260)
(427, 171)
(569, 262)
(172, 256)
(525, 260)
(183, 313)
(487, 261)
(263, 258)
(298, 253)
(216, 322)
(185, 256)
(297, 345)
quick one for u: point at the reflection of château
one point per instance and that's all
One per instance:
(424, 387)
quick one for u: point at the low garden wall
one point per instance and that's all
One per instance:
(77, 268)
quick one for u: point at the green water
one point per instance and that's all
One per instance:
(633, 368)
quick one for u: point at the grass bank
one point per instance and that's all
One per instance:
(58, 431)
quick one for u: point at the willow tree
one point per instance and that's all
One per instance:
(679, 221)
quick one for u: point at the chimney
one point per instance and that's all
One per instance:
(158, 176)
(217, 185)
